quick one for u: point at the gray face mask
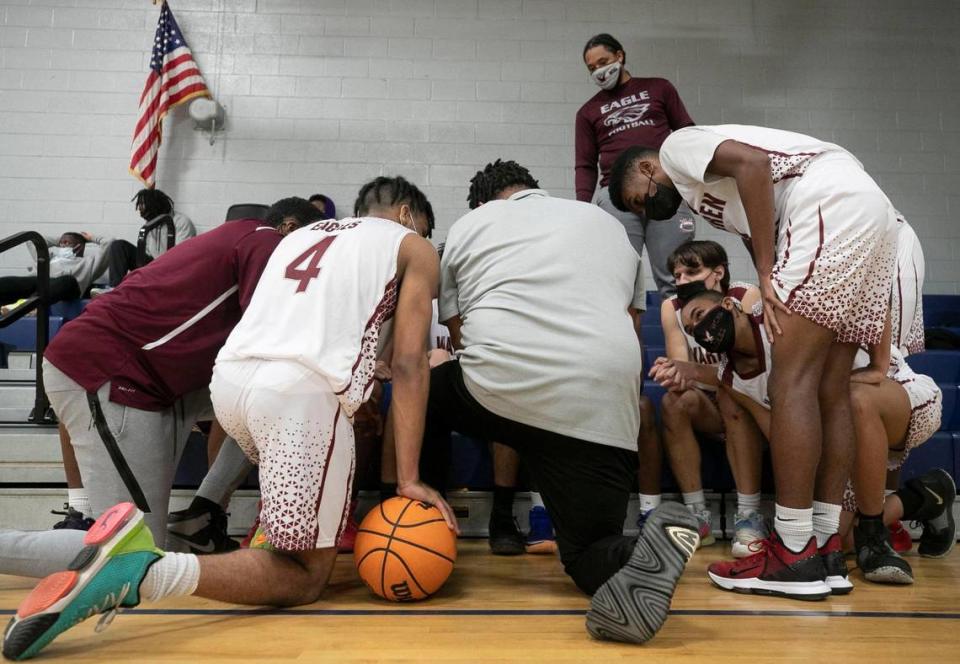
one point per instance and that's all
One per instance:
(608, 76)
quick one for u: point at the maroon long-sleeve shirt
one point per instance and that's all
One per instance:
(156, 336)
(642, 111)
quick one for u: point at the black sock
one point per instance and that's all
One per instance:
(200, 503)
(912, 502)
(388, 490)
(502, 503)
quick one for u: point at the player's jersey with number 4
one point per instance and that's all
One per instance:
(325, 300)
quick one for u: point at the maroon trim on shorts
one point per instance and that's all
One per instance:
(323, 479)
(373, 317)
(345, 515)
(900, 307)
(812, 263)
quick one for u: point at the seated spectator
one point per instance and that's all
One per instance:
(71, 272)
(325, 204)
(151, 204)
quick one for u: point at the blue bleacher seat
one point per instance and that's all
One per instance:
(22, 334)
(941, 310)
(653, 335)
(68, 309)
(956, 457)
(938, 452)
(950, 418)
(941, 365)
(471, 464)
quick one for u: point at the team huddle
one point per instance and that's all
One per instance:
(275, 328)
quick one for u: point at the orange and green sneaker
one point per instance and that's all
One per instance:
(103, 578)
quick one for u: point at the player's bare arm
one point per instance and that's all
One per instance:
(676, 344)
(456, 338)
(751, 170)
(419, 270)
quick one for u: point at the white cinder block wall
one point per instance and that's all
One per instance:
(321, 95)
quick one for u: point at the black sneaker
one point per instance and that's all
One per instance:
(875, 555)
(936, 514)
(72, 519)
(634, 603)
(506, 538)
(202, 527)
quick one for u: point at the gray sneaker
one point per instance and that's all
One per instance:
(634, 603)
(750, 531)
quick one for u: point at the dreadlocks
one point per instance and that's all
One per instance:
(494, 178)
(152, 203)
(388, 192)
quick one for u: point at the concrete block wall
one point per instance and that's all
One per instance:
(322, 95)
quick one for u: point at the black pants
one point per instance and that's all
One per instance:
(585, 486)
(18, 288)
(121, 258)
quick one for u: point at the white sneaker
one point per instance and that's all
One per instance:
(750, 531)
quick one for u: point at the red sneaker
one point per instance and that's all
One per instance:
(836, 565)
(900, 538)
(776, 570)
(349, 535)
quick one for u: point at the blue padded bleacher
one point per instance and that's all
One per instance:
(653, 335)
(68, 309)
(941, 311)
(941, 365)
(950, 418)
(938, 452)
(22, 334)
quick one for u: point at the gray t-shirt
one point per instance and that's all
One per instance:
(543, 286)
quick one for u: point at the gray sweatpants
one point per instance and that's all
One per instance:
(660, 237)
(150, 443)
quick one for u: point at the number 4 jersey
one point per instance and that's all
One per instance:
(325, 300)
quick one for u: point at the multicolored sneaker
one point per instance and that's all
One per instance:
(936, 515)
(836, 566)
(705, 525)
(900, 538)
(72, 519)
(104, 577)
(540, 539)
(202, 527)
(634, 603)
(750, 532)
(775, 570)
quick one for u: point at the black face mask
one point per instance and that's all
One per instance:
(716, 331)
(663, 204)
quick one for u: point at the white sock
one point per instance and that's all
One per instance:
(649, 502)
(748, 503)
(536, 500)
(174, 575)
(695, 501)
(826, 521)
(795, 527)
(79, 500)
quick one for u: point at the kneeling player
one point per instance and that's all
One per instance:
(285, 386)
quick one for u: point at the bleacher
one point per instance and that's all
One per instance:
(30, 457)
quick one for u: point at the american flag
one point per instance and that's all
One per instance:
(174, 78)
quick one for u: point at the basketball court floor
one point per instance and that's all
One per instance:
(524, 609)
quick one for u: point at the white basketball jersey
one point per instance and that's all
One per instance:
(323, 301)
(754, 383)
(698, 353)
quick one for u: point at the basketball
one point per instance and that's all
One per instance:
(404, 550)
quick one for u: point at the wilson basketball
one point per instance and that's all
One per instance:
(404, 550)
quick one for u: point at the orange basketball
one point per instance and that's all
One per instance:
(404, 550)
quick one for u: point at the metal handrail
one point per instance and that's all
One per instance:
(145, 230)
(41, 413)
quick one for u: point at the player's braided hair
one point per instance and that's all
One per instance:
(487, 184)
(609, 42)
(622, 168)
(384, 191)
(153, 202)
(294, 207)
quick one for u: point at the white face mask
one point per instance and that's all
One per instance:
(607, 77)
(61, 253)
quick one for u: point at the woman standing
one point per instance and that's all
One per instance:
(628, 111)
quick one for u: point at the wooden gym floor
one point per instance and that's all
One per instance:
(524, 609)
